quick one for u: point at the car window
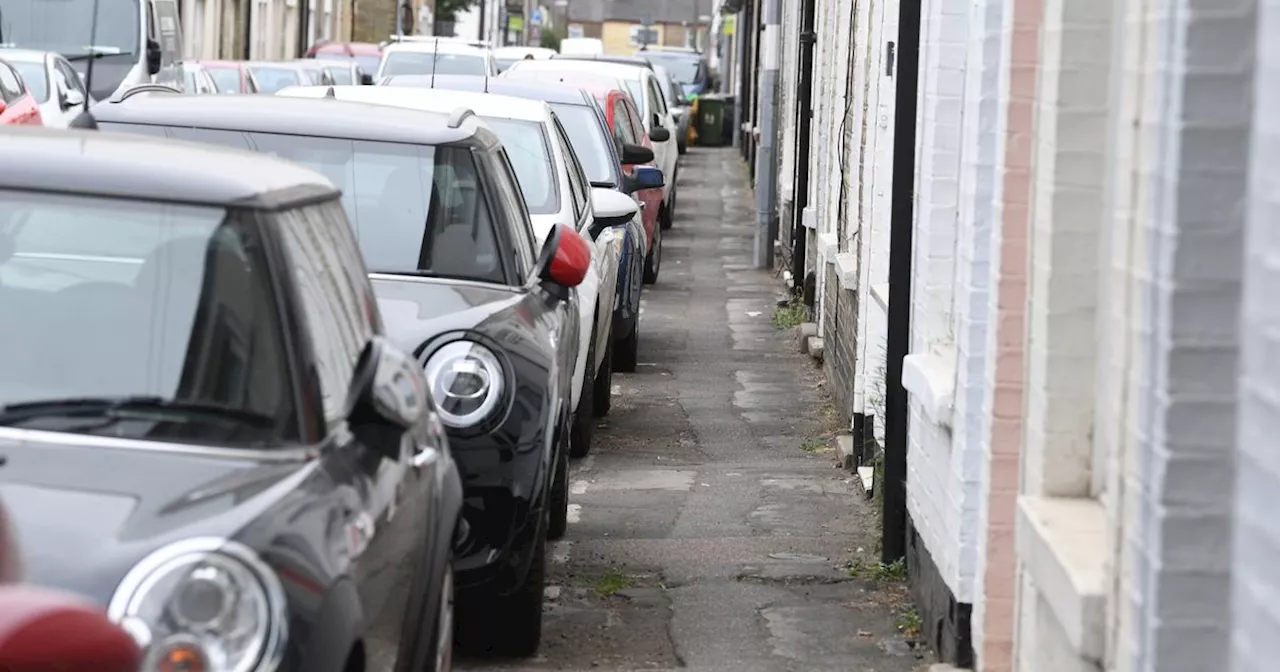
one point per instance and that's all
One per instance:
(68, 76)
(657, 104)
(11, 87)
(193, 85)
(226, 79)
(632, 117)
(414, 208)
(622, 124)
(426, 63)
(271, 80)
(143, 299)
(341, 75)
(337, 307)
(35, 77)
(512, 204)
(587, 139)
(526, 145)
(577, 181)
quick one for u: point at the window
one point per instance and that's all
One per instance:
(272, 79)
(63, 26)
(226, 79)
(35, 77)
(530, 154)
(67, 76)
(622, 129)
(10, 85)
(426, 63)
(577, 181)
(657, 104)
(588, 139)
(336, 306)
(513, 207)
(633, 119)
(142, 299)
(414, 208)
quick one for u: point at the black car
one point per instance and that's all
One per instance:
(602, 160)
(446, 235)
(202, 425)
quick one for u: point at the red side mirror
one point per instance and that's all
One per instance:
(43, 629)
(570, 257)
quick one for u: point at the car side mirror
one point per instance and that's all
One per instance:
(72, 98)
(634, 154)
(34, 628)
(366, 79)
(2, 107)
(564, 261)
(610, 208)
(659, 134)
(648, 177)
(153, 56)
(388, 396)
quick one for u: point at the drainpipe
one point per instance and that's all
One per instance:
(804, 113)
(894, 516)
(766, 158)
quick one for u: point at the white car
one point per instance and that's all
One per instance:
(556, 191)
(505, 56)
(197, 79)
(581, 45)
(438, 56)
(647, 91)
(52, 81)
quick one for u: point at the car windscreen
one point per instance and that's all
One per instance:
(35, 77)
(527, 147)
(64, 26)
(341, 75)
(189, 75)
(425, 63)
(504, 63)
(588, 140)
(152, 302)
(685, 69)
(368, 62)
(271, 80)
(227, 79)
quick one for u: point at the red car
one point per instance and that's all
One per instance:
(17, 106)
(231, 76)
(624, 120)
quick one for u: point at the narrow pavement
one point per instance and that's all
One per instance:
(709, 528)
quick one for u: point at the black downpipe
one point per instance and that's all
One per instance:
(756, 30)
(804, 113)
(748, 80)
(304, 16)
(894, 516)
(247, 50)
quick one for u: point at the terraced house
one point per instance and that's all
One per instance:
(1035, 239)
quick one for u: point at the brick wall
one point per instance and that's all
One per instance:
(375, 20)
(839, 334)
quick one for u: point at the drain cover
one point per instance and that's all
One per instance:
(798, 557)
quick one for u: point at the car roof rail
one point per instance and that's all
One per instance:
(143, 88)
(460, 115)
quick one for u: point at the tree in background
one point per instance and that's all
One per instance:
(448, 10)
(550, 39)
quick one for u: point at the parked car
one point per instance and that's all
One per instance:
(462, 285)
(679, 104)
(646, 90)
(51, 81)
(317, 72)
(556, 191)
(605, 58)
(234, 77)
(437, 56)
(504, 56)
(688, 67)
(196, 80)
(343, 73)
(624, 123)
(581, 45)
(272, 76)
(366, 55)
(17, 105)
(274, 460)
(602, 161)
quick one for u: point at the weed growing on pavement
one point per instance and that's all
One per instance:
(611, 582)
(790, 315)
(909, 622)
(813, 445)
(878, 571)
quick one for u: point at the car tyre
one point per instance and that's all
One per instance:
(627, 350)
(508, 625)
(558, 498)
(582, 430)
(653, 260)
(602, 390)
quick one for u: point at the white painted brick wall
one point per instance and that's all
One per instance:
(1255, 645)
(787, 84)
(943, 482)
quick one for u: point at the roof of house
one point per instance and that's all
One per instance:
(665, 11)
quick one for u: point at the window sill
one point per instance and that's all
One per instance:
(809, 218)
(931, 378)
(828, 247)
(847, 270)
(1062, 543)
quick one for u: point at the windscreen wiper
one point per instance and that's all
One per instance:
(130, 407)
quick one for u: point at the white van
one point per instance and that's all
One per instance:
(581, 46)
(135, 41)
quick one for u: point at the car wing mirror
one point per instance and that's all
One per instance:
(389, 395)
(659, 134)
(153, 56)
(366, 79)
(610, 208)
(564, 260)
(649, 177)
(635, 154)
(34, 627)
(72, 98)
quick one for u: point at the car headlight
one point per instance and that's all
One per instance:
(466, 382)
(203, 604)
